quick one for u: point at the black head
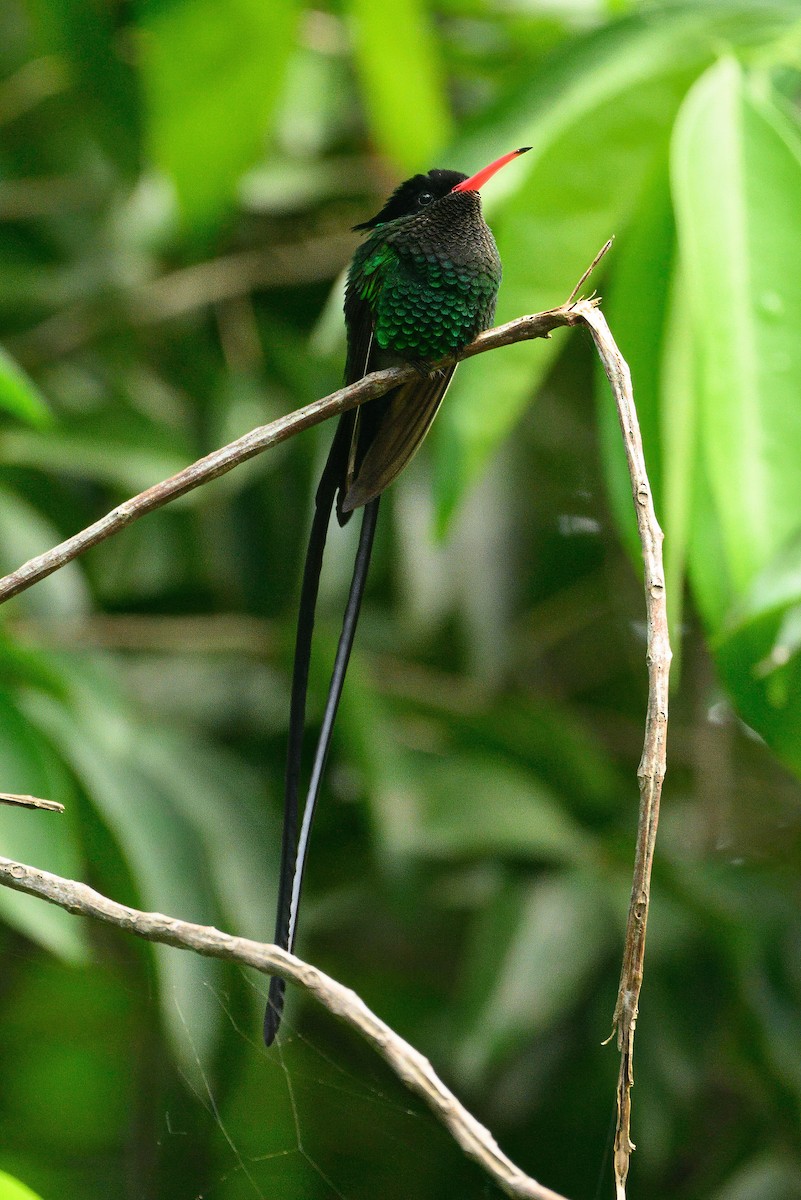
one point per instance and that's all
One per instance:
(413, 196)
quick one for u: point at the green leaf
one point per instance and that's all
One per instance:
(636, 305)
(121, 462)
(545, 738)
(19, 396)
(534, 952)
(41, 839)
(212, 75)
(647, 309)
(761, 669)
(598, 120)
(708, 566)
(758, 654)
(775, 589)
(24, 532)
(679, 436)
(403, 80)
(12, 1189)
(479, 805)
(108, 750)
(742, 265)
(212, 789)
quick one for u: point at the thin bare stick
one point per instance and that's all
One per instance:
(221, 461)
(30, 802)
(651, 771)
(408, 1064)
(601, 253)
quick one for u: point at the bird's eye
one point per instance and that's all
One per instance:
(425, 198)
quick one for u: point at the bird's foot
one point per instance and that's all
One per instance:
(429, 369)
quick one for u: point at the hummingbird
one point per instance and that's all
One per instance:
(420, 287)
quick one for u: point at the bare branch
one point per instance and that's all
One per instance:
(256, 442)
(30, 802)
(408, 1064)
(651, 771)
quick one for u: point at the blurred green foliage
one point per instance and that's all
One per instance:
(12, 1189)
(177, 183)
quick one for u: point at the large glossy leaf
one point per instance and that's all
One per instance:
(758, 654)
(598, 121)
(635, 304)
(647, 310)
(12, 1189)
(707, 562)
(212, 74)
(774, 591)
(680, 452)
(741, 256)
(403, 81)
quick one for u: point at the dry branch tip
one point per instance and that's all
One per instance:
(607, 246)
(31, 802)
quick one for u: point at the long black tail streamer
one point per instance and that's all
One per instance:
(294, 848)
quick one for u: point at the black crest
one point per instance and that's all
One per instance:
(413, 196)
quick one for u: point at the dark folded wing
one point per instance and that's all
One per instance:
(406, 419)
(361, 350)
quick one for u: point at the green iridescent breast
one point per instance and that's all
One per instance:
(429, 297)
